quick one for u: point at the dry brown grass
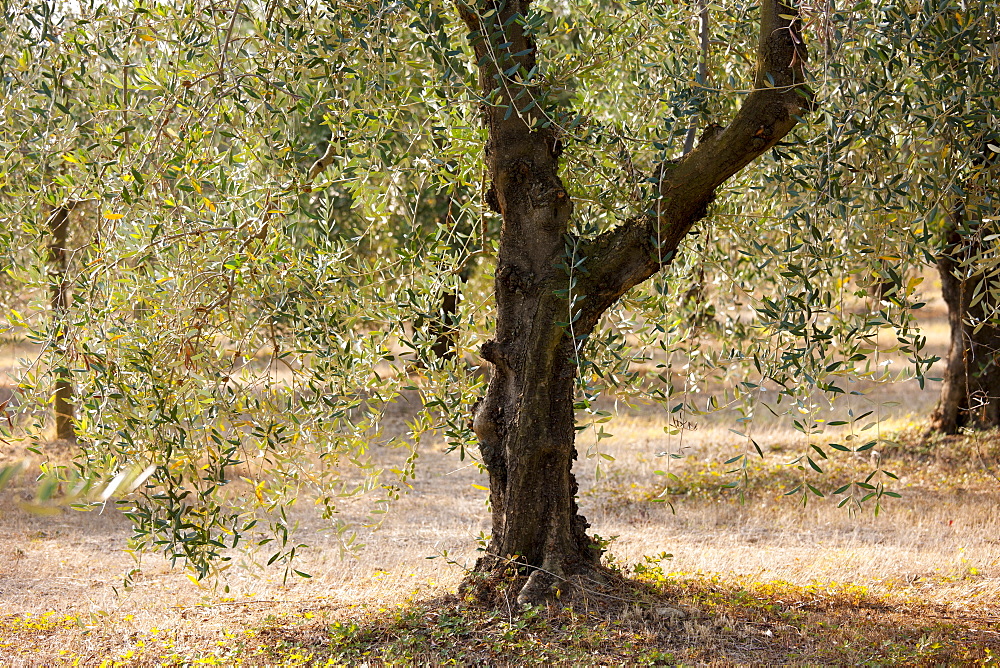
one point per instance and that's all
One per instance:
(935, 551)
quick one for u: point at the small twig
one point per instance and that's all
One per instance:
(213, 605)
(702, 68)
(460, 468)
(229, 37)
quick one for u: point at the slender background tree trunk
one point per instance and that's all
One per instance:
(704, 34)
(59, 301)
(446, 325)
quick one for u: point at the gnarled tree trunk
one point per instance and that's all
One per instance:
(970, 393)
(549, 298)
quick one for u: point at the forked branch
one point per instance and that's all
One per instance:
(632, 252)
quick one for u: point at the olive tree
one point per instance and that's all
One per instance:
(907, 151)
(960, 51)
(549, 299)
(228, 364)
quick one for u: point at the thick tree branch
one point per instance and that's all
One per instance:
(629, 254)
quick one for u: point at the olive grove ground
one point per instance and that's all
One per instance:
(764, 580)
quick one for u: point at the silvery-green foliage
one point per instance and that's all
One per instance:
(238, 331)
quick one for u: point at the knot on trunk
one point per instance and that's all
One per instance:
(490, 351)
(711, 131)
(491, 200)
(516, 279)
(542, 194)
(486, 426)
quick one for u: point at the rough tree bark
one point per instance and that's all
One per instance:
(525, 421)
(970, 393)
(63, 406)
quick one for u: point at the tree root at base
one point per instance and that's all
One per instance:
(508, 585)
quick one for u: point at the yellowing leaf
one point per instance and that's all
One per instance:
(113, 216)
(208, 203)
